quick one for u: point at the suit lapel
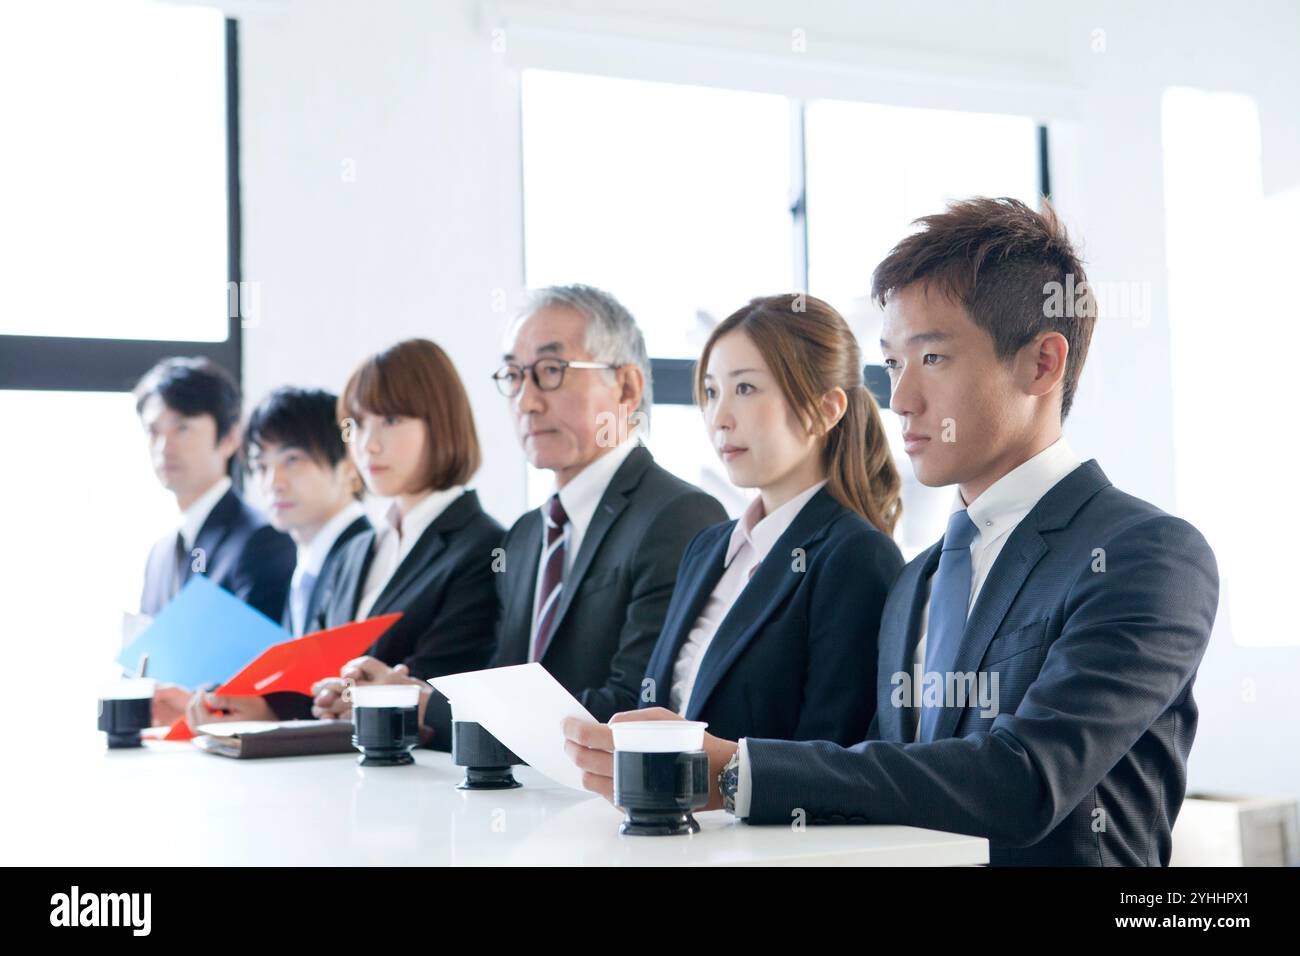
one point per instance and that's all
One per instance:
(521, 585)
(1022, 552)
(358, 584)
(761, 596)
(612, 503)
(698, 581)
(359, 526)
(900, 630)
(215, 528)
(431, 543)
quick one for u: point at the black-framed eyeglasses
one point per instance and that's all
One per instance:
(547, 373)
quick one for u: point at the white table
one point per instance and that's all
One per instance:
(171, 804)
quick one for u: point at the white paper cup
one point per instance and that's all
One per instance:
(658, 736)
(386, 695)
(131, 688)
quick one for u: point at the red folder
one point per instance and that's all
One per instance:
(297, 664)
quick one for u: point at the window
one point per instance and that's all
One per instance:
(118, 241)
(1221, 226)
(674, 198)
(686, 202)
(872, 170)
(118, 192)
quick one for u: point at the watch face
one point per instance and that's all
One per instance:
(729, 781)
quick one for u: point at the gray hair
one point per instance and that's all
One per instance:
(612, 334)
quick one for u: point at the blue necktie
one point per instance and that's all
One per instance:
(949, 600)
(298, 602)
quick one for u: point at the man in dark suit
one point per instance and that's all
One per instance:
(294, 451)
(190, 412)
(189, 408)
(585, 580)
(1036, 665)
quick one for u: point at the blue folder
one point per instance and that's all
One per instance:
(204, 636)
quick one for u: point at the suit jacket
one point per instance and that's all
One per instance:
(335, 555)
(615, 595)
(242, 553)
(795, 657)
(1093, 619)
(444, 588)
(288, 705)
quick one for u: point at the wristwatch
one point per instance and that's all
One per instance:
(729, 781)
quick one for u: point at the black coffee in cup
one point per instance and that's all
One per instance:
(661, 774)
(385, 723)
(125, 709)
(486, 760)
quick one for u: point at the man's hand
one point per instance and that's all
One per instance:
(331, 698)
(205, 708)
(169, 704)
(591, 747)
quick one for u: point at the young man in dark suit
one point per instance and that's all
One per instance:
(1036, 665)
(189, 408)
(294, 451)
(586, 579)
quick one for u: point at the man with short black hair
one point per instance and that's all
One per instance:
(1035, 669)
(190, 411)
(294, 450)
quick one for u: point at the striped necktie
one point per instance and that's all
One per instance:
(548, 595)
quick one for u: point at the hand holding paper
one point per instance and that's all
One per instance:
(523, 707)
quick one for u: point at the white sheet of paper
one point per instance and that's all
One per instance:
(522, 706)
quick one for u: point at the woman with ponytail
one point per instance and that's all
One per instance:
(771, 631)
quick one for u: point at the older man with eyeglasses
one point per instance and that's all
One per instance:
(588, 575)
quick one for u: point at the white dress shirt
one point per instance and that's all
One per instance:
(579, 499)
(193, 517)
(751, 540)
(311, 558)
(995, 513)
(395, 538)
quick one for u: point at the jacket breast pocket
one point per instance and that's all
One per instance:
(592, 583)
(1004, 646)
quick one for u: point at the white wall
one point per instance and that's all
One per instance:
(418, 97)
(380, 199)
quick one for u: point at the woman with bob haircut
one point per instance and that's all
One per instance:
(410, 432)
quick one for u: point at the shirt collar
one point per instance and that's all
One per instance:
(193, 517)
(1006, 502)
(584, 490)
(761, 530)
(311, 557)
(418, 519)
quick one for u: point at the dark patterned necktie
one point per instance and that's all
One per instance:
(548, 595)
(180, 557)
